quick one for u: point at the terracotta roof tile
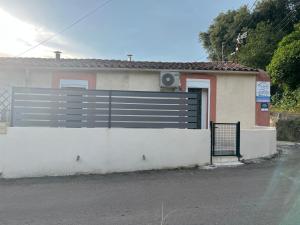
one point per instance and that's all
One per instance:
(103, 63)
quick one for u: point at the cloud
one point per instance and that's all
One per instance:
(17, 36)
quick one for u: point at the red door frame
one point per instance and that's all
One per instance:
(213, 89)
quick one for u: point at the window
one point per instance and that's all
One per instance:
(84, 84)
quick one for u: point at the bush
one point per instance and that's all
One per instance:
(288, 101)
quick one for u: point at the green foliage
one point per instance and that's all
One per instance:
(260, 25)
(285, 65)
(272, 43)
(288, 101)
(285, 73)
(260, 46)
(274, 11)
(223, 30)
(294, 36)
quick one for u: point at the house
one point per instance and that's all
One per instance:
(59, 128)
(228, 90)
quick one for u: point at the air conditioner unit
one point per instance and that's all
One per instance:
(169, 79)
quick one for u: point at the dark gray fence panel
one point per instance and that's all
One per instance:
(64, 98)
(153, 125)
(66, 91)
(101, 108)
(167, 101)
(154, 118)
(66, 104)
(64, 117)
(154, 113)
(36, 123)
(148, 106)
(154, 94)
(60, 111)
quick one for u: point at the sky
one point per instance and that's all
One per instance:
(151, 30)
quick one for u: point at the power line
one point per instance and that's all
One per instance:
(241, 24)
(283, 20)
(291, 20)
(254, 3)
(287, 18)
(237, 27)
(250, 21)
(91, 12)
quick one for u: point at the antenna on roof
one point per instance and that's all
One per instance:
(129, 57)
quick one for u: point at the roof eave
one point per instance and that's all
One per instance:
(245, 72)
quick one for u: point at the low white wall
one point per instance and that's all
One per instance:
(258, 142)
(31, 152)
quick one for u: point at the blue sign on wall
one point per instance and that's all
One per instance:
(263, 99)
(263, 93)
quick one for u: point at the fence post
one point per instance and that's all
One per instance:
(109, 108)
(211, 141)
(238, 139)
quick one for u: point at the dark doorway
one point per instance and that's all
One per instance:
(199, 109)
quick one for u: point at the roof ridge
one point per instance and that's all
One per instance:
(117, 63)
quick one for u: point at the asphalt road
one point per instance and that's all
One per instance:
(263, 193)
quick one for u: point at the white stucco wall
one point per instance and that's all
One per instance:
(9, 78)
(21, 78)
(258, 142)
(107, 80)
(41, 79)
(31, 152)
(128, 80)
(235, 100)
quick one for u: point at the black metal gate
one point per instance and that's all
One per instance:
(225, 139)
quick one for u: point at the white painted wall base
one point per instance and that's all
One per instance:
(224, 159)
(258, 142)
(33, 151)
(255, 143)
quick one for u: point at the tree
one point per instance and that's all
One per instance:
(285, 72)
(285, 65)
(274, 12)
(223, 30)
(260, 46)
(266, 18)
